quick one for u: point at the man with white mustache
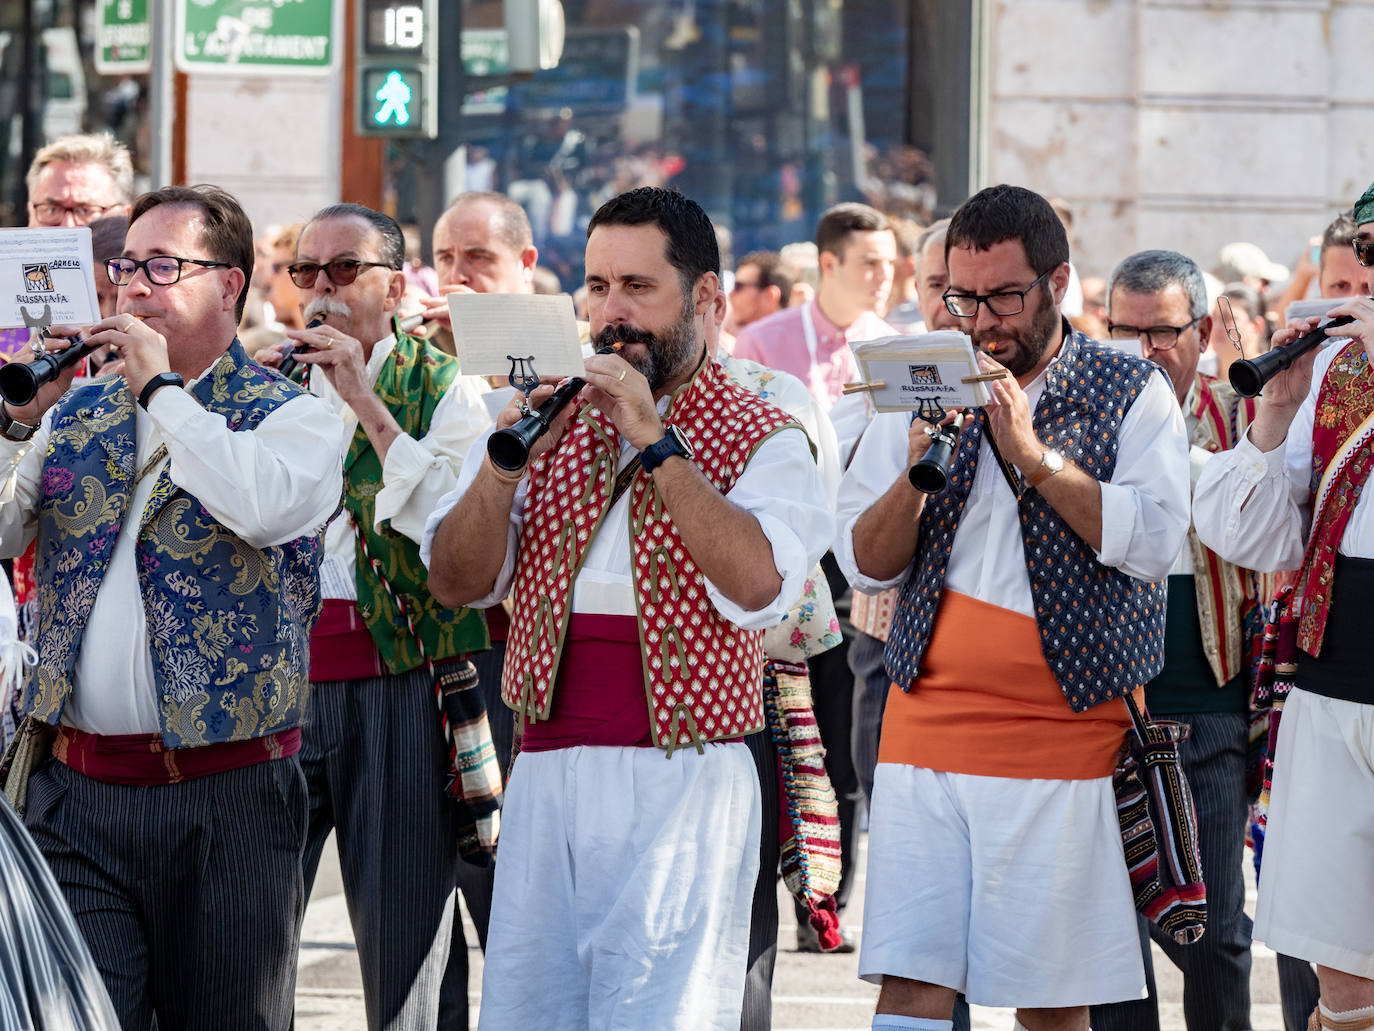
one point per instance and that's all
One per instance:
(374, 753)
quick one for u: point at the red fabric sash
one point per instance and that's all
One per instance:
(599, 696)
(341, 647)
(1341, 434)
(142, 759)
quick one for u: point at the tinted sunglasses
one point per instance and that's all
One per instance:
(341, 271)
(1364, 250)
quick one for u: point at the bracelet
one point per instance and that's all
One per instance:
(504, 476)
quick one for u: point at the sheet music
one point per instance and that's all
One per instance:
(47, 266)
(489, 328)
(922, 366)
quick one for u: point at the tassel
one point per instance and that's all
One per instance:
(825, 921)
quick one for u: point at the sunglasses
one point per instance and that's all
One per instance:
(341, 271)
(1364, 250)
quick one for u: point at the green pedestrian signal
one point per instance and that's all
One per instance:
(397, 72)
(393, 101)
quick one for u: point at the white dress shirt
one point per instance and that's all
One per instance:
(269, 486)
(780, 487)
(415, 474)
(1254, 508)
(1144, 506)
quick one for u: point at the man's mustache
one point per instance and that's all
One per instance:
(623, 334)
(327, 306)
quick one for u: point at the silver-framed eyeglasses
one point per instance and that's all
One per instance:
(1161, 338)
(161, 269)
(1002, 303)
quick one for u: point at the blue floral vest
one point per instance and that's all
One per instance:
(228, 624)
(1101, 631)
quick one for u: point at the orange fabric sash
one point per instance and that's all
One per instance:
(985, 702)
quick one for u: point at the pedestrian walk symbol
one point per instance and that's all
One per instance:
(393, 99)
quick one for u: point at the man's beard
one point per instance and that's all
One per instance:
(1029, 344)
(667, 354)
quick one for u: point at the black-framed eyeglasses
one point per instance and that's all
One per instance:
(1364, 250)
(51, 213)
(341, 271)
(1002, 303)
(161, 269)
(1161, 338)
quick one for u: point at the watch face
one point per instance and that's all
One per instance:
(1053, 461)
(687, 450)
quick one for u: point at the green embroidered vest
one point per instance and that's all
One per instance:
(411, 383)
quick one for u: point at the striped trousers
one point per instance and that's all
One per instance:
(1216, 970)
(189, 895)
(374, 758)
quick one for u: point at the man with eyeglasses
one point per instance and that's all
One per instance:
(375, 755)
(1292, 494)
(1030, 603)
(176, 510)
(1159, 298)
(71, 182)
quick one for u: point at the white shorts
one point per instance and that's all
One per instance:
(1012, 891)
(1316, 888)
(623, 889)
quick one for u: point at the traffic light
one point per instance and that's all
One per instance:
(397, 68)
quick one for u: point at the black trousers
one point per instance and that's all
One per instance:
(376, 763)
(190, 895)
(757, 1014)
(1216, 970)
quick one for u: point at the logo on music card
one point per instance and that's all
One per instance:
(925, 375)
(38, 279)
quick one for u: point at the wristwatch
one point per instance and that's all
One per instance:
(1050, 463)
(162, 379)
(673, 443)
(12, 429)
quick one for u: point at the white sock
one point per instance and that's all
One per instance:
(1359, 1014)
(892, 1022)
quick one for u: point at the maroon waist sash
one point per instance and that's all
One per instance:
(143, 759)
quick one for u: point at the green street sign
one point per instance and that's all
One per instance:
(256, 36)
(123, 36)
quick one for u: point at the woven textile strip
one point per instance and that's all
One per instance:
(1274, 674)
(809, 821)
(474, 778)
(1159, 828)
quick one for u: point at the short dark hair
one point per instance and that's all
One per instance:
(833, 230)
(1005, 212)
(1149, 272)
(107, 238)
(1340, 233)
(692, 246)
(228, 232)
(512, 224)
(392, 253)
(773, 271)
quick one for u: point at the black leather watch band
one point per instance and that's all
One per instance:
(162, 379)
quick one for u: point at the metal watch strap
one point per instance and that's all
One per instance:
(13, 429)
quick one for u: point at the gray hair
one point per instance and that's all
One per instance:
(933, 234)
(96, 148)
(1149, 272)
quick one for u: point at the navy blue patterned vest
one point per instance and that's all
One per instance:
(1101, 631)
(228, 623)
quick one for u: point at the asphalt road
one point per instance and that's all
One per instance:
(810, 992)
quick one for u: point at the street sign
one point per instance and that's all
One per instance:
(397, 69)
(123, 36)
(266, 37)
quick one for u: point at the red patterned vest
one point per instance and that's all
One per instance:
(701, 672)
(1341, 435)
